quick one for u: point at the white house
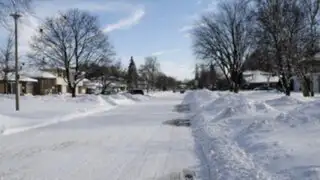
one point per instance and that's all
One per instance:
(51, 81)
(258, 78)
(26, 84)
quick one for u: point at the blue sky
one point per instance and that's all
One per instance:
(137, 28)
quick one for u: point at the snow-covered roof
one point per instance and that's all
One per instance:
(92, 85)
(40, 74)
(317, 56)
(12, 77)
(259, 77)
(117, 84)
(85, 80)
(256, 72)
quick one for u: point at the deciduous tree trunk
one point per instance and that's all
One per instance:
(73, 91)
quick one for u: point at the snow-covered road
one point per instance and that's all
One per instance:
(129, 142)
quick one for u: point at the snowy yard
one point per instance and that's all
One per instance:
(39, 111)
(256, 135)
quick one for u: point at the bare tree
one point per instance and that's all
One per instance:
(6, 61)
(308, 44)
(285, 33)
(10, 6)
(149, 71)
(224, 38)
(70, 41)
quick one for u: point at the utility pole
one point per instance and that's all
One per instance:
(16, 16)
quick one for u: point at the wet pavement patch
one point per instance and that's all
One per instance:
(181, 108)
(185, 174)
(178, 122)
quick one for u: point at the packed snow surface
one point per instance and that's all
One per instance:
(128, 142)
(256, 135)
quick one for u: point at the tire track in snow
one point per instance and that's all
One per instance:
(129, 164)
(167, 156)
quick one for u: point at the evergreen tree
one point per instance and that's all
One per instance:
(132, 76)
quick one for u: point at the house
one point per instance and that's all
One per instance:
(52, 81)
(93, 87)
(311, 66)
(81, 88)
(258, 78)
(26, 84)
(142, 84)
(46, 82)
(61, 85)
(117, 86)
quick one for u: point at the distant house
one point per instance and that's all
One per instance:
(46, 82)
(92, 87)
(61, 85)
(26, 84)
(117, 86)
(258, 78)
(111, 84)
(52, 81)
(142, 84)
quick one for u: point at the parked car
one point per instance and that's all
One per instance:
(136, 91)
(182, 91)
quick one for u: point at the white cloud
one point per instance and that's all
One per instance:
(186, 28)
(159, 53)
(131, 20)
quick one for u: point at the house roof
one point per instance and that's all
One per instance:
(314, 61)
(256, 72)
(40, 74)
(93, 85)
(12, 77)
(259, 77)
(317, 56)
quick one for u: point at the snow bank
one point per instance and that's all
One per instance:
(240, 136)
(196, 99)
(137, 97)
(284, 100)
(39, 111)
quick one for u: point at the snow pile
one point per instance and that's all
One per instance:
(137, 97)
(39, 111)
(126, 98)
(249, 138)
(120, 99)
(284, 100)
(196, 99)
